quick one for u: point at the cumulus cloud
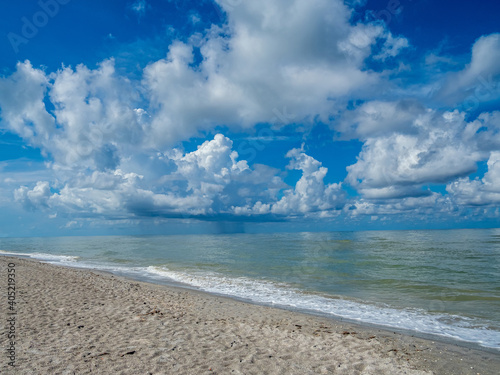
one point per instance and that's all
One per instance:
(479, 192)
(434, 148)
(95, 113)
(35, 198)
(310, 195)
(431, 204)
(262, 60)
(207, 182)
(22, 103)
(478, 81)
(93, 117)
(279, 54)
(113, 143)
(484, 61)
(210, 172)
(101, 129)
(377, 118)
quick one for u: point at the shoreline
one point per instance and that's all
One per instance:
(342, 319)
(217, 334)
(338, 319)
(178, 284)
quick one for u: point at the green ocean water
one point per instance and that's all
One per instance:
(443, 283)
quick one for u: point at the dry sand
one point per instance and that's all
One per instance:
(72, 321)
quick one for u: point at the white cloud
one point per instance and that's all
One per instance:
(376, 118)
(22, 105)
(73, 224)
(278, 54)
(96, 116)
(209, 181)
(392, 47)
(139, 7)
(310, 195)
(110, 140)
(479, 192)
(485, 57)
(478, 81)
(362, 39)
(261, 61)
(93, 118)
(434, 148)
(434, 208)
(35, 198)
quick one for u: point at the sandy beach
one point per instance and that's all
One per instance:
(72, 321)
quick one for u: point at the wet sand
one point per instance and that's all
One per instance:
(72, 321)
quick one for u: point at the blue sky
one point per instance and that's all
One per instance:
(165, 116)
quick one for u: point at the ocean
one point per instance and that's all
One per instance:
(442, 283)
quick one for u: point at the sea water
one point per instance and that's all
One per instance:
(444, 283)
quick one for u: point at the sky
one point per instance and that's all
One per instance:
(222, 116)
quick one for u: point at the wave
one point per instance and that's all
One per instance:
(49, 258)
(282, 295)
